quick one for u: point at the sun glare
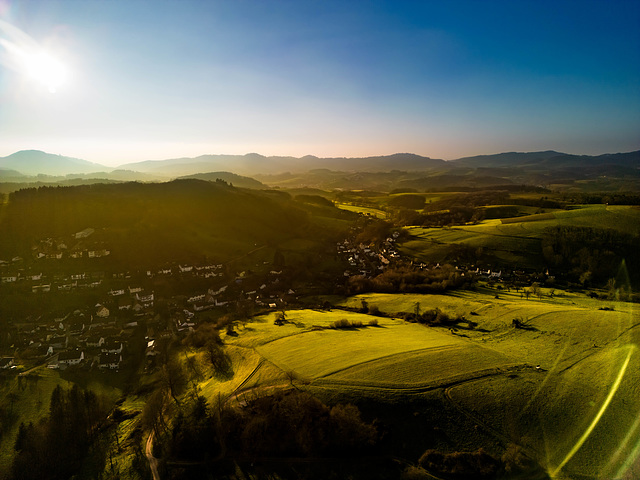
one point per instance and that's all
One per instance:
(23, 54)
(46, 70)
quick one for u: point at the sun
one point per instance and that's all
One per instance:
(45, 70)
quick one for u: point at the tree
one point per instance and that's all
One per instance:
(173, 378)
(218, 358)
(153, 412)
(281, 318)
(535, 289)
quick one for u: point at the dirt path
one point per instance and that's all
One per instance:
(153, 461)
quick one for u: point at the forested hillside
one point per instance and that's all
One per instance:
(140, 223)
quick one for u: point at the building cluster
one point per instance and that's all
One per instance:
(367, 260)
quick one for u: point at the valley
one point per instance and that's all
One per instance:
(445, 334)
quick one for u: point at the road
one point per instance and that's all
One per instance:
(153, 461)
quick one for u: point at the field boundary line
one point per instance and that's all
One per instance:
(426, 349)
(426, 386)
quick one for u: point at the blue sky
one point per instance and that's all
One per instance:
(154, 80)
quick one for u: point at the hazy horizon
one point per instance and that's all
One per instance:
(116, 83)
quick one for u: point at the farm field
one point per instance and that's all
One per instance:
(364, 210)
(540, 387)
(517, 241)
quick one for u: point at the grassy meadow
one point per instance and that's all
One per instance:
(565, 387)
(516, 241)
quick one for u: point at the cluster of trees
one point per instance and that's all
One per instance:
(314, 200)
(480, 465)
(56, 447)
(476, 465)
(456, 215)
(294, 423)
(373, 231)
(344, 323)
(411, 200)
(195, 433)
(207, 338)
(608, 198)
(284, 424)
(433, 317)
(408, 279)
(591, 255)
(451, 210)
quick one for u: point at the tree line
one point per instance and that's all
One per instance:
(56, 447)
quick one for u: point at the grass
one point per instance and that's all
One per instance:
(364, 210)
(580, 351)
(516, 241)
(317, 354)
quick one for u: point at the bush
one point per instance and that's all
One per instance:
(344, 323)
(460, 465)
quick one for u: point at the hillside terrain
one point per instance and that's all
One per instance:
(561, 171)
(444, 324)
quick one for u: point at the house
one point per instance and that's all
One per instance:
(125, 303)
(102, 311)
(195, 298)
(57, 342)
(75, 326)
(71, 357)
(151, 350)
(110, 361)
(112, 346)
(145, 298)
(217, 292)
(6, 362)
(87, 232)
(95, 341)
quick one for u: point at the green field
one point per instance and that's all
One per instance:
(375, 212)
(572, 412)
(516, 241)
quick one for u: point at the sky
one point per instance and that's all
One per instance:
(120, 81)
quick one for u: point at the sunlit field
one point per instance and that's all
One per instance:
(565, 387)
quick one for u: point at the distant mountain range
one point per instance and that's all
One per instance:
(34, 162)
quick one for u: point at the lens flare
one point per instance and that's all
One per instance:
(21, 53)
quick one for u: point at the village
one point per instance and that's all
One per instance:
(136, 309)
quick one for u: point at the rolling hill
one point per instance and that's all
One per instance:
(182, 220)
(34, 162)
(253, 163)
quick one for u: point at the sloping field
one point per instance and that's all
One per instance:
(582, 422)
(364, 210)
(423, 367)
(566, 388)
(517, 240)
(316, 354)
(394, 354)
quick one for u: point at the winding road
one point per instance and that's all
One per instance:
(153, 461)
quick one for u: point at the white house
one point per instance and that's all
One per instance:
(84, 233)
(110, 361)
(72, 357)
(112, 346)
